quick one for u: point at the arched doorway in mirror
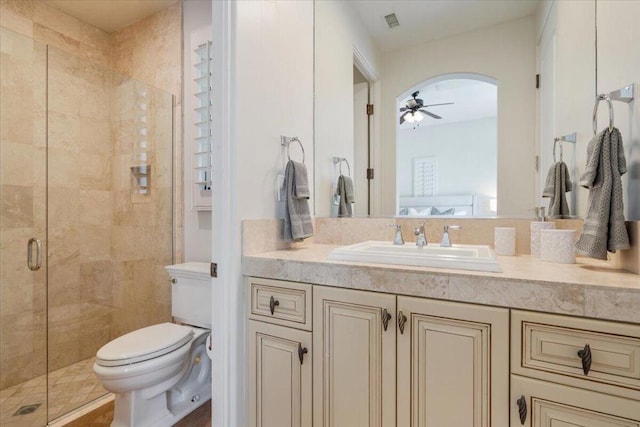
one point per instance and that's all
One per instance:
(447, 147)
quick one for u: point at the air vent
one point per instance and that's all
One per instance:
(392, 20)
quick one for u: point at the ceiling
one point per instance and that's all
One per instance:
(427, 20)
(473, 99)
(111, 15)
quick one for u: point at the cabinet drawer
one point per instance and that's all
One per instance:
(282, 303)
(545, 404)
(553, 347)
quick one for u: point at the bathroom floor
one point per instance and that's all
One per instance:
(69, 388)
(103, 416)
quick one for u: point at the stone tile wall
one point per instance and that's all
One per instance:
(107, 245)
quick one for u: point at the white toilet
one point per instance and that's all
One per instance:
(162, 372)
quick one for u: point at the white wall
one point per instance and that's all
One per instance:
(505, 52)
(274, 95)
(337, 30)
(618, 65)
(466, 154)
(197, 224)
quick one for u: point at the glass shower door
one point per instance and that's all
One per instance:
(23, 213)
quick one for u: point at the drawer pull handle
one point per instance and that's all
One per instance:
(585, 356)
(402, 320)
(386, 316)
(522, 409)
(273, 303)
(301, 352)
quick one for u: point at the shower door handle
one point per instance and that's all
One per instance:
(38, 264)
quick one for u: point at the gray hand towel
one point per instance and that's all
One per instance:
(604, 228)
(345, 192)
(297, 218)
(557, 184)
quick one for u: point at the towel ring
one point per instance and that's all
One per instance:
(595, 113)
(556, 141)
(287, 141)
(348, 167)
(338, 161)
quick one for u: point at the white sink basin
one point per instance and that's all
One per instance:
(463, 257)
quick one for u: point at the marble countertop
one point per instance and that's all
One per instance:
(589, 288)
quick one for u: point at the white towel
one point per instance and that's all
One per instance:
(604, 228)
(297, 217)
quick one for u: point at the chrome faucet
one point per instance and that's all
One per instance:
(446, 242)
(421, 241)
(398, 240)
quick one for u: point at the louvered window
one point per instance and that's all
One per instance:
(202, 162)
(425, 177)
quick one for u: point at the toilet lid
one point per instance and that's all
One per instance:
(144, 344)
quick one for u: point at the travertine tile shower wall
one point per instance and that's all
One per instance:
(107, 245)
(151, 51)
(79, 208)
(141, 224)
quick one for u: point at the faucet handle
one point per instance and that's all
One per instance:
(398, 239)
(446, 241)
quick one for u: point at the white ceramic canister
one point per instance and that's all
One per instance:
(535, 228)
(558, 246)
(505, 240)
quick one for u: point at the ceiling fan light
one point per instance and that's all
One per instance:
(417, 116)
(409, 118)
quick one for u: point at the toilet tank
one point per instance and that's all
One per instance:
(191, 293)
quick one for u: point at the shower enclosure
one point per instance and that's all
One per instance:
(86, 222)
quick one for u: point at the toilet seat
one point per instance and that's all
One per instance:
(144, 344)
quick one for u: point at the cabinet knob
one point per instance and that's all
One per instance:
(402, 320)
(273, 303)
(386, 316)
(585, 356)
(301, 352)
(522, 409)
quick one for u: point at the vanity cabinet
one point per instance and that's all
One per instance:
(453, 364)
(330, 357)
(279, 345)
(354, 363)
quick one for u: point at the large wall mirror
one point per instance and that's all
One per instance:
(381, 52)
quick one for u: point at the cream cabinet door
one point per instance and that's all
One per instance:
(279, 376)
(354, 366)
(536, 403)
(453, 364)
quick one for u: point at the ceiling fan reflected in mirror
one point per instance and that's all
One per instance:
(415, 108)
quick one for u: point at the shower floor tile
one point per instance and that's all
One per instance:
(69, 388)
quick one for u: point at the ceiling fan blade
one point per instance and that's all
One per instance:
(404, 109)
(435, 116)
(434, 105)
